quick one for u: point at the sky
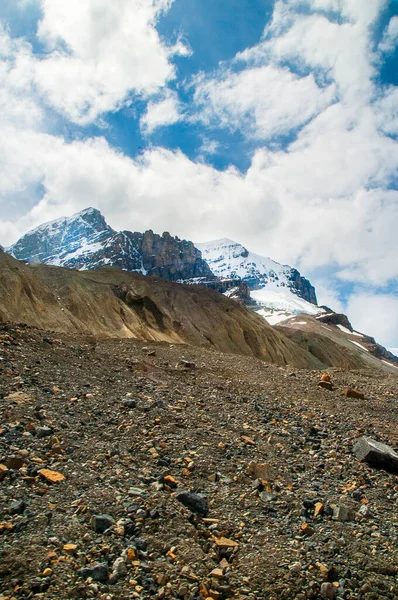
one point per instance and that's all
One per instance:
(270, 122)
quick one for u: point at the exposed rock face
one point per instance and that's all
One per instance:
(303, 287)
(230, 260)
(86, 242)
(336, 319)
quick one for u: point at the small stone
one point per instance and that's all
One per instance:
(70, 548)
(42, 432)
(47, 572)
(3, 471)
(98, 572)
(364, 511)
(326, 385)
(51, 476)
(119, 569)
(17, 507)
(100, 523)
(307, 529)
(328, 591)
(296, 567)
(14, 462)
(195, 502)
(319, 508)
(351, 393)
(325, 377)
(217, 573)
(130, 403)
(223, 542)
(343, 513)
(248, 441)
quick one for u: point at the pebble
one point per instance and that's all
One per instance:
(100, 523)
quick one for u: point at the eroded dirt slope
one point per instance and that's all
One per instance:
(114, 303)
(128, 425)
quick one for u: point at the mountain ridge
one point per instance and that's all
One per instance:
(85, 241)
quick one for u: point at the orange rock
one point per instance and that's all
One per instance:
(3, 471)
(307, 529)
(225, 543)
(51, 476)
(217, 573)
(131, 554)
(350, 393)
(318, 509)
(325, 377)
(70, 548)
(7, 526)
(169, 480)
(247, 440)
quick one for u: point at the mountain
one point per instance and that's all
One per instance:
(86, 242)
(110, 303)
(229, 259)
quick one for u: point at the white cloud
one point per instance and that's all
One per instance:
(390, 36)
(162, 112)
(264, 101)
(99, 52)
(375, 315)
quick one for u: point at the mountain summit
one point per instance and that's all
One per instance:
(86, 242)
(229, 259)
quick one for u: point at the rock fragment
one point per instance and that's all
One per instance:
(196, 503)
(328, 591)
(351, 393)
(17, 507)
(100, 523)
(98, 572)
(376, 454)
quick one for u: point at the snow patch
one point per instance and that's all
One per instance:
(390, 364)
(284, 300)
(359, 345)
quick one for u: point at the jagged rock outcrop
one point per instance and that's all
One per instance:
(230, 260)
(333, 318)
(86, 242)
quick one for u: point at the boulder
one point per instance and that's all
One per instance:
(376, 454)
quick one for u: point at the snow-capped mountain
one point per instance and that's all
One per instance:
(86, 242)
(229, 259)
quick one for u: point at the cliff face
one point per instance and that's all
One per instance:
(171, 258)
(86, 242)
(303, 287)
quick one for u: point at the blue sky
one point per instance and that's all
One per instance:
(274, 123)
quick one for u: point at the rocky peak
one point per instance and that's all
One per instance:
(86, 242)
(230, 260)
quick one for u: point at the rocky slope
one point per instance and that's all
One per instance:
(331, 338)
(85, 241)
(113, 303)
(229, 259)
(127, 428)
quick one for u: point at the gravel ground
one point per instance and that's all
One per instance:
(126, 426)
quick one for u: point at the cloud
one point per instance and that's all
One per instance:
(262, 101)
(390, 36)
(366, 308)
(98, 53)
(161, 113)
